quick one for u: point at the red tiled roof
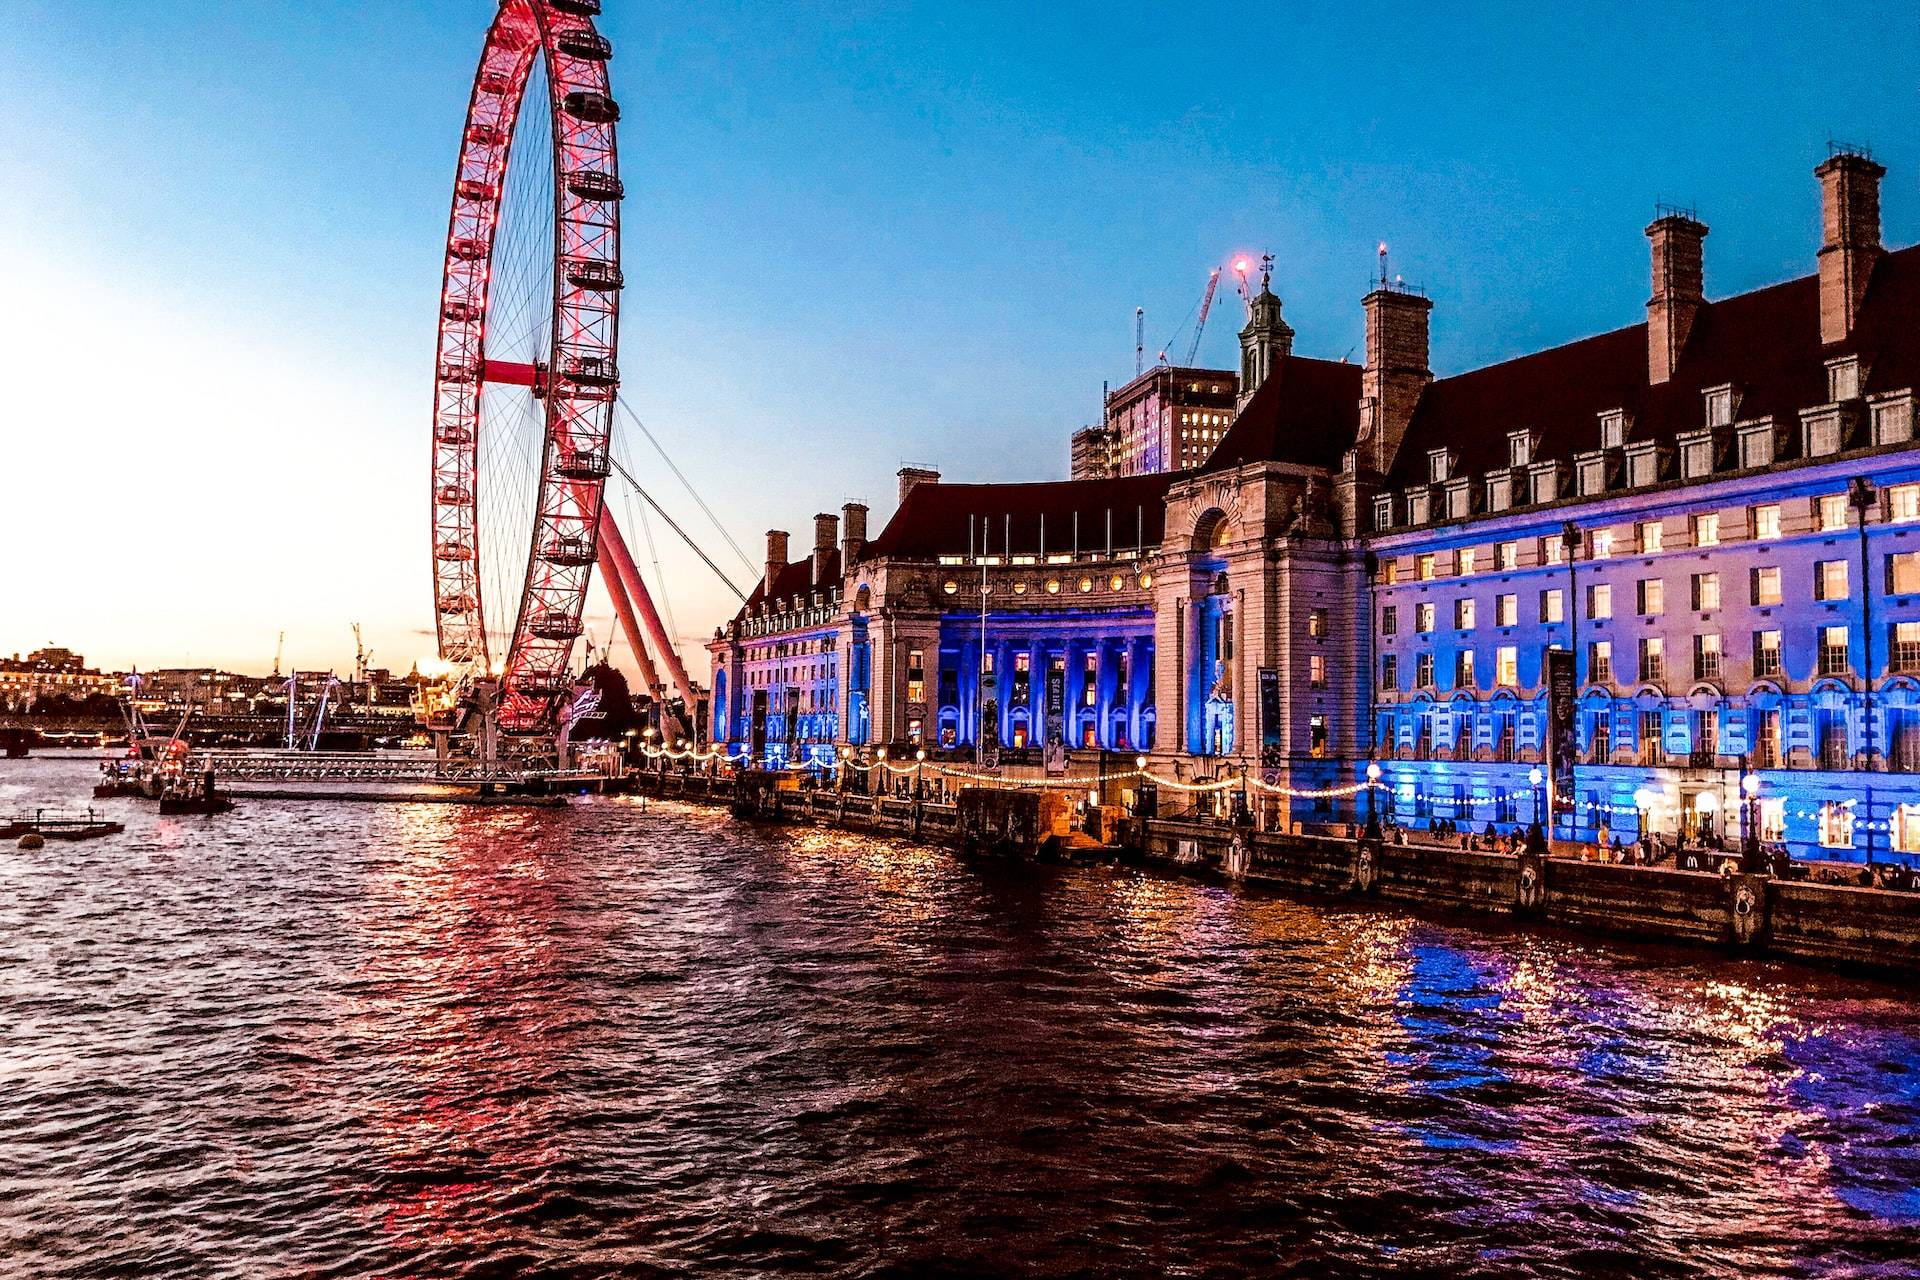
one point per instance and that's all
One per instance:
(1766, 343)
(936, 518)
(1306, 412)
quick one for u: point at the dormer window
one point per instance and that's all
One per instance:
(1439, 464)
(1416, 506)
(1643, 465)
(1383, 511)
(1843, 379)
(1544, 478)
(1499, 491)
(1893, 418)
(1459, 495)
(1822, 430)
(1519, 448)
(1590, 474)
(1613, 428)
(1756, 445)
(1719, 404)
(1696, 455)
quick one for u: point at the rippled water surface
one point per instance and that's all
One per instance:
(347, 1040)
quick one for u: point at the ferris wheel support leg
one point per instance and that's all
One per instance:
(629, 625)
(637, 590)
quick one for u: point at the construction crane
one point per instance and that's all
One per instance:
(1139, 341)
(278, 645)
(359, 657)
(1200, 325)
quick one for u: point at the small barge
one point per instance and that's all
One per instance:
(51, 825)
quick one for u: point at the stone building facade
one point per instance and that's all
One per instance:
(1715, 511)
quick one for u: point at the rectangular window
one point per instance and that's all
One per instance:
(1390, 672)
(1506, 665)
(1423, 567)
(1706, 591)
(1706, 657)
(1836, 825)
(1552, 550)
(1463, 669)
(1506, 611)
(1651, 728)
(1756, 446)
(1390, 620)
(1469, 557)
(916, 676)
(1766, 584)
(1652, 596)
(1653, 661)
(1519, 448)
(1463, 612)
(1766, 739)
(1423, 671)
(1600, 600)
(1906, 646)
(1506, 555)
(1317, 670)
(1696, 456)
(1833, 651)
(1651, 533)
(1830, 580)
(1600, 661)
(1766, 522)
(1602, 543)
(1830, 512)
(1553, 606)
(1317, 736)
(1317, 624)
(1423, 617)
(1903, 503)
(1766, 653)
(1903, 573)
(1706, 529)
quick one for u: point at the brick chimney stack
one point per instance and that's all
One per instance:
(1396, 372)
(1679, 290)
(1849, 238)
(912, 476)
(853, 533)
(826, 532)
(776, 559)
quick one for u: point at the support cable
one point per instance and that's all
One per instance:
(675, 526)
(634, 418)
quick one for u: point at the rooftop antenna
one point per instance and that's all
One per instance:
(1139, 340)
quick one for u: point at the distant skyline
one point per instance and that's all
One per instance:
(856, 236)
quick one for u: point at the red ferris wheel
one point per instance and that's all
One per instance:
(526, 376)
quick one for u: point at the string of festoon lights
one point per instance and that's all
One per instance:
(903, 768)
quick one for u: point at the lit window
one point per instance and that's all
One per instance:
(1600, 601)
(1468, 557)
(1552, 550)
(1766, 584)
(1390, 672)
(1903, 573)
(1706, 657)
(1706, 529)
(1653, 662)
(1652, 596)
(1423, 671)
(1766, 522)
(1506, 555)
(1317, 670)
(1906, 828)
(1706, 591)
(1463, 669)
(1506, 666)
(1830, 580)
(1903, 503)
(1317, 623)
(1833, 651)
(1602, 543)
(1424, 567)
(1650, 533)
(1506, 610)
(1766, 653)
(1836, 825)
(1906, 646)
(1553, 606)
(1463, 614)
(1423, 617)
(1830, 511)
(1600, 661)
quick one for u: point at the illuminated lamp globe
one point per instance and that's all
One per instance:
(1644, 798)
(1751, 784)
(1535, 776)
(1140, 763)
(1706, 802)
(1373, 771)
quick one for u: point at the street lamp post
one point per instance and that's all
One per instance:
(1750, 857)
(1537, 833)
(1373, 800)
(1863, 497)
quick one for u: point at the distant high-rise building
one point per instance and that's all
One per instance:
(1169, 419)
(1093, 454)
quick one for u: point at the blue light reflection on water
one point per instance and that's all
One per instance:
(365, 1040)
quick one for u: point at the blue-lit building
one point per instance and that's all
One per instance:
(1715, 511)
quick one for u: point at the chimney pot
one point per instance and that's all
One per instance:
(912, 477)
(1679, 290)
(1849, 239)
(776, 559)
(853, 533)
(826, 531)
(1396, 374)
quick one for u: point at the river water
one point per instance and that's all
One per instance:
(364, 1040)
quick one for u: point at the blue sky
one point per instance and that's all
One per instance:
(856, 235)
